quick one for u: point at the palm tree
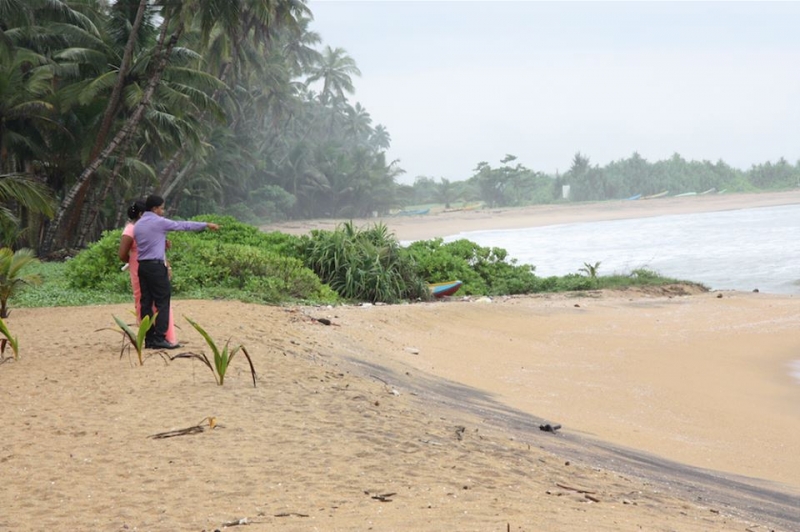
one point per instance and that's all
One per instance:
(113, 104)
(359, 124)
(334, 70)
(296, 45)
(165, 44)
(25, 113)
(254, 55)
(380, 138)
(447, 192)
(19, 192)
(12, 264)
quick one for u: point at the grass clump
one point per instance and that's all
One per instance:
(640, 277)
(576, 282)
(364, 264)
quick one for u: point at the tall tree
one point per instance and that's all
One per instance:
(335, 69)
(123, 137)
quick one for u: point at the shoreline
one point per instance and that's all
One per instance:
(445, 224)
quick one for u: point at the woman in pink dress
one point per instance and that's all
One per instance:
(128, 254)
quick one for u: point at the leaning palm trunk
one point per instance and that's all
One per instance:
(112, 108)
(116, 92)
(166, 175)
(169, 178)
(166, 191)
(94, 209)
(251, 23)
(120, 139)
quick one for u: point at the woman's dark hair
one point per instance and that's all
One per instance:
(154, 201)
(136, 209)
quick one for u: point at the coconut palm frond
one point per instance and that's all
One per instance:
(84, 56)
(140, 168)
(103, 82)
(27, 192)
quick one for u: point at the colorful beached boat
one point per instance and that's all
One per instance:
(444, 289)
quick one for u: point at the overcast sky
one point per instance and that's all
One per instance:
(460, 82)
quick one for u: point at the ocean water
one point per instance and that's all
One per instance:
(743, 249)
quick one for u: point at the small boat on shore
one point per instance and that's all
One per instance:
(659, 195)
(413, 212)
(444, 289)
(472, 207)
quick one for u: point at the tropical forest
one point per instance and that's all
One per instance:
(235, 109)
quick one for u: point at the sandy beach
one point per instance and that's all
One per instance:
(440, 223)
(677, 409)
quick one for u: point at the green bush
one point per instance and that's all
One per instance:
(98, 266)
(438, 264)
(483, 270)
(234, 232)
(262, 274)
(238, 261)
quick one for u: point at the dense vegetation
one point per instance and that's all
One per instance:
(232, 107)
(227, 106)
(325, 267)
(238, 261)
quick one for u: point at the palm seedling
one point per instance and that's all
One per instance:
(222, 358)
(6, 341)
(135, 339)
(12, 277)
(590, 270)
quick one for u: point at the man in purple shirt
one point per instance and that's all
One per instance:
(150, 234)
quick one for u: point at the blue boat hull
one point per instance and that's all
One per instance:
(445, 289)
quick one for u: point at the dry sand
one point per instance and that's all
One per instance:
(678, 413)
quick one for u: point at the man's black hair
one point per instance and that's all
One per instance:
(154, 201)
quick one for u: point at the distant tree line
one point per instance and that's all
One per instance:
(514, 185)
(230, 107)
